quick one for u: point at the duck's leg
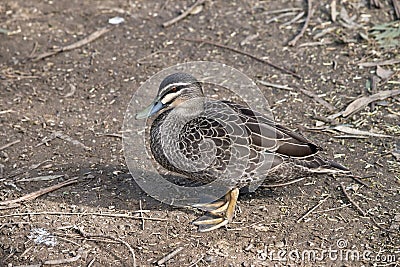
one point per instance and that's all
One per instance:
(219, 213)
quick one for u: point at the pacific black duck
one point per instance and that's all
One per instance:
(186, 122)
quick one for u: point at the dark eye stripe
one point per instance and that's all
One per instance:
(177, 89)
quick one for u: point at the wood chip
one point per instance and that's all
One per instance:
(362, 102)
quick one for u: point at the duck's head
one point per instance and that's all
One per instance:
(174, 90)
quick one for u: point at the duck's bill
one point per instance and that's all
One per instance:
(152, 109)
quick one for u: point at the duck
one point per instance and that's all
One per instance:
(209, 140)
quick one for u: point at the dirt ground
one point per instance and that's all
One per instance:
(61, 117)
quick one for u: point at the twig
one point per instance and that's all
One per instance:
(80, 237)
(196, 261)
(375, 3)
(308, 18)
(279, 17)
(12, 223)
(278, 86)
(141, 213)
(250, 225)
(243, 53)
(169, 256)
(282, 184)
(355, 205)
(295, 19)
(9, 207)
(39, 193)
(91, 262)
(381, 227)
(83, 214)
(9, 144)
(396, 6)
(317, 98)
(165, 4)
(323, 42)
(110, 135)
(331, 209)
(34, 48)
(40, 178)
(184, 14)
(285, 10)
(379, 63)
(6, 111)
(62, 261)
(88, 39)
(358, 180)
(26, 251)
(362, 212)
(85, 235)
(32, 167)
(333, 11)
(142, 59)
(312, 209)
(64, 137)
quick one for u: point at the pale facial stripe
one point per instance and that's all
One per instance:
(167, 98)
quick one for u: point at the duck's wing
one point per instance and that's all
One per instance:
(281, 142)
(265, 133)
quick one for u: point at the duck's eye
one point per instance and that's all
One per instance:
(173, 89)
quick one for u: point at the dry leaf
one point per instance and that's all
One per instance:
(350, 130)
(382, 73)
(361, 102)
